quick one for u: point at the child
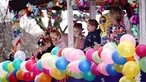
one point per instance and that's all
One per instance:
(92, 40)
(78, 36)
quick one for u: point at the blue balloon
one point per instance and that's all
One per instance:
(16, 64)
(61, 63)
(14, 72)
(88, 76)
(111, 70)
(5, 65)
(117, 58)
(84, 65)
(55, 50)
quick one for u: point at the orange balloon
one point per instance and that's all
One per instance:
(44, 78)
(130, 58)
(19, 75)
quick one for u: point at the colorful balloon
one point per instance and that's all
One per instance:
(142, 64)
(131, 69)
(88, 76)
(61, 63)
(89, 54)
(126, 49)
(17, 63)
(11, 77)
(111, 70)
(128, 37)
(84, 65)
(141, 50)
(94, 69)
(110, 45)
(127, 79)
(44, 78)
(96, 57)
(118, 68)
(20, 55)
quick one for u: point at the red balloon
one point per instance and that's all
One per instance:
(27, 76)
(141, 50)
(60, 52)
(94, 69)
(29, 64)
(99, 51)
(11, 77)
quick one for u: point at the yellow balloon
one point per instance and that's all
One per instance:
(126, 49)
(45, 55)
(118, 68)
(4, 79)
(57, 74)
(131, 69)
(10, 67)
(127, 79)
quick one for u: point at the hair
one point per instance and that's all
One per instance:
(78, 25)
(116, 13)
(103, 17)
(93, 22)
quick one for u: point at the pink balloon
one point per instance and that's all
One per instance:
(67, 53)
(44, 62)
(141, 50)
(106, 56)
(94, 69)
(35, 69)
(102, 68)
(76, 54)
(73, 66)
(128, 37)
(89, 54)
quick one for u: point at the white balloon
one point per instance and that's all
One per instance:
(2, 71)
(22, 66)
(20, 55)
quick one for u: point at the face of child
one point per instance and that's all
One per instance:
(90, 28)
(47, 44)
(54, 37)
(77, 32)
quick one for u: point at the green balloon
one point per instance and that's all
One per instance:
(110, 45)
(96, 58)
(88, 76)
(118, 68)
(77, 75)
(142, 64)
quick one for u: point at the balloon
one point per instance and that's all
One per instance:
(130, 58)
(61, 63)
(5, 65)
(73, 66)
(27, 76)
(89, 54)
(67, 53)
(99, 51)
(106, 56)
(60, 52)
(10, 67)
(17, 63)
(128, 37)
(131, 69)
(84, 65)
(35, 69)
(102, 69)
(126, 49)
(11, 77)
(88, 76)
(77, 75)
(110, 45)
(118, 68)
(51, 61)
(2, 71)
(45, 55)
(96, 57)
(44, 63)
(141, 50)
(29, 64)
(36, 78)
(94, 69)
(44, 78)
(4, 77)
(75, 55)
(117, 58)
(55, 50)
(142, 64)
(57, 74)
(127, 79)
(111, 70)
(23, 67)
(20, 55)
(19, 75)
(14, 72)
(46, 71)
(39, 65)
